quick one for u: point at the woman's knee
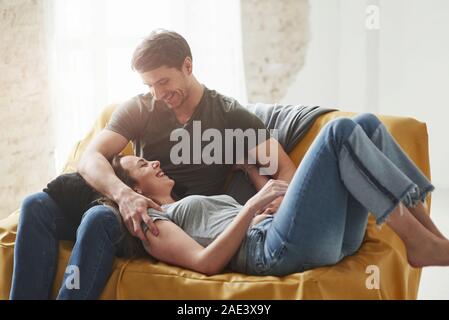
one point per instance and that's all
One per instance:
(368, 121)
(340, 129)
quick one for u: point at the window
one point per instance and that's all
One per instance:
(92, 44)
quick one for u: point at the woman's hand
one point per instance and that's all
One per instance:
(272, 190)
(273, 207)
(259, 218)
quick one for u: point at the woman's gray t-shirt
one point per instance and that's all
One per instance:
(204, 218)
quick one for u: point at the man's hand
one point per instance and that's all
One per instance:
(133, 208)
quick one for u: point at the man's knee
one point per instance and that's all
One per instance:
(100, 218)
(37, 206)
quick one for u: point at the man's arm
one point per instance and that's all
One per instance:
(270, 155)
(95, 168)
(286, 167)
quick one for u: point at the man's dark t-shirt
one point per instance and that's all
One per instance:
(148, 123)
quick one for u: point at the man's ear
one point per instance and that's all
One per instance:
(188, 65)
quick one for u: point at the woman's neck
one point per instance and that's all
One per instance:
(161, 200)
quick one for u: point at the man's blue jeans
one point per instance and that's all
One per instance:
(353, 167)
(41, 225)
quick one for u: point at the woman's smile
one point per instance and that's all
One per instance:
(160, 174)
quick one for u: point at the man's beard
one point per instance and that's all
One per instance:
(182, 98)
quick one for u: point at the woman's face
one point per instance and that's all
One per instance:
(151, 180)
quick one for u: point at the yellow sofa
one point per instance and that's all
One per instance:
(145, 279)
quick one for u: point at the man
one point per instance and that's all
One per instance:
(176, 99)
(164, 62)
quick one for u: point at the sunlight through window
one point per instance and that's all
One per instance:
(93, 41)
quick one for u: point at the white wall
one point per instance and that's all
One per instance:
(414, 71)
(316, 83)
(400, 69)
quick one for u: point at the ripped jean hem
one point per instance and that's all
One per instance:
(424, 193)
(408, 198)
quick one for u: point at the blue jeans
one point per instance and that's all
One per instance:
(353, 167)
(41, 225)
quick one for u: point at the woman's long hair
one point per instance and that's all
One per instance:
(131, 246)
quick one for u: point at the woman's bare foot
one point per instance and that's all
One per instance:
(423, 247)
(421, 213)
(428, 253)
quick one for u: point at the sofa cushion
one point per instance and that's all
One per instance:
(382, 256)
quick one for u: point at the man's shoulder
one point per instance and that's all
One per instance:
(131, 116)
(222, 101)
(141, 102)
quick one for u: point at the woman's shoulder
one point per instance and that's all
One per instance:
(219, 198)
(158, 215)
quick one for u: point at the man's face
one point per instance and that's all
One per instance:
(170, 84)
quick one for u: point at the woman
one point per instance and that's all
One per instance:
(353, 167)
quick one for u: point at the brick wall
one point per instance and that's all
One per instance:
(275, 37)
(26, 160)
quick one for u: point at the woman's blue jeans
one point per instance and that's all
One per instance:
(353, 167)
(41, 225)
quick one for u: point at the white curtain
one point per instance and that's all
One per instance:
(92, 43)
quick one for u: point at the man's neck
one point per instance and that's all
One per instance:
(183, 114)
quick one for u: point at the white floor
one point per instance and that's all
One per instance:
(435, 280)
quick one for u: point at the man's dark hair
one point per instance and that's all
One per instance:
(160, 48)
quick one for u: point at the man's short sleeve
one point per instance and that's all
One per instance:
(251, 125)
(241, 118)
(130, 118)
